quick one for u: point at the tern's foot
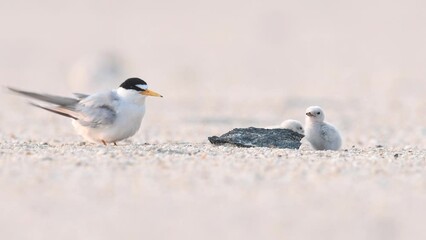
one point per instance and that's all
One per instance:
(103, 141)
(115, 144)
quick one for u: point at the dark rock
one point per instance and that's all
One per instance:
(259, 137)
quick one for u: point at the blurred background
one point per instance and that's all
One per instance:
(220, 65)
(224, 64)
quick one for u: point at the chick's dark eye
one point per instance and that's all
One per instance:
(318, 113)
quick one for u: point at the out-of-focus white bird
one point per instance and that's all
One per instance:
(321, 135)
(105, 117)
(291, 124)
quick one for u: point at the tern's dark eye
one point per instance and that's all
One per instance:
(318, 113)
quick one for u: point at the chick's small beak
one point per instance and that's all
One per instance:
(148, 92)
(309, 114)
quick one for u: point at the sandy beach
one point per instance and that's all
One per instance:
(220, 66)
(70, 190)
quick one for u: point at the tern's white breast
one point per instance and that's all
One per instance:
(127, 123)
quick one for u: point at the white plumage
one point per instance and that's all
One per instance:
(321, 135)
(105, 117)
(291, 124)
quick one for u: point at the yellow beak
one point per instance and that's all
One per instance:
(150, 93)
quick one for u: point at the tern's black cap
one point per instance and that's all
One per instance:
(134, 83)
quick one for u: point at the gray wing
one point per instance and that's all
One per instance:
(328, 133)
(325, 132)
(98, 110)
(94, 111)
(331, 136)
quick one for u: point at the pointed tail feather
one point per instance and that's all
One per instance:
(58, 100)
(57, 111)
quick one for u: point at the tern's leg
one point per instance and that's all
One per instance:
(103, 141)
(115, 144)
